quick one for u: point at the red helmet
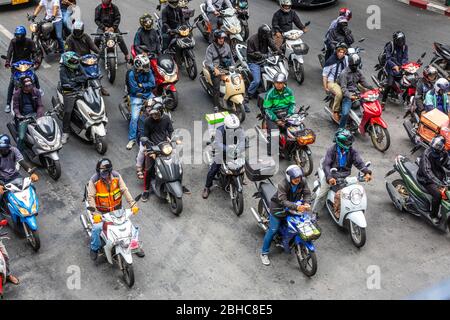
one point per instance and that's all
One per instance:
(346, 13)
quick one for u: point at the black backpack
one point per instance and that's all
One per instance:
(382, 55)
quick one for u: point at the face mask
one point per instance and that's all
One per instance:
(4, 152)
(104, 174)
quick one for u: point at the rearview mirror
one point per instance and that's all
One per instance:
(423, 55)
(3, 56)
(361, 40)
(368, 163)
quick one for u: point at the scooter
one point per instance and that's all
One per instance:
(232, 89)
(88, 119)
(167, 184)
(242, 11)
(2, 259)
(44, 36)
(119, 237)
(441, 60)
(294, 48)
(21, 209)
(408, 195)
(353, 205)
(42, 142)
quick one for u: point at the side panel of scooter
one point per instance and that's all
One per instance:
(379, 121)
(238, 98)
(297, 57)
(98, 130)
(53, 155)
(307, 244)
(358, 218)
(108, 250)
(31, 222)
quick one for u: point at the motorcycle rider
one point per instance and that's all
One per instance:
(212, 10)
(20, 48)
(27, 100)
(225, 135)
(73, 76)
(351, 81)
(438, 97)
(66, 14)
(218, 55)
(332, 69)
(278, 98)
(290, 190)
(257, 50)
(107, 18)
(340, 33)
(342, 156)
(147, 36)
(172, 17)
(9, 277)
(104, 192)
(396, 53)
(343, 12)
(283, 21)
(425, 84)
(141, 83)
(53, 15)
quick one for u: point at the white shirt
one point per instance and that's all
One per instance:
(48, 5)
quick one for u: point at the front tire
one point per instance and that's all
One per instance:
(304, 161)
(127, 272)
(54, 169)
(245, 32)
(307, 260)
(176, 205)
(357, 234)
(173, 103)
(33, 238)
(111, 62)
(299, 72)
(101, 146)
(191, 65)
(239, 110)
(380, 137)
(238, 202)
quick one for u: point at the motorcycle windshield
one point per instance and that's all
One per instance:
(46, 127)
(92, 99)
(166, 62)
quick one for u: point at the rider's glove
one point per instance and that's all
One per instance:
(34, 177)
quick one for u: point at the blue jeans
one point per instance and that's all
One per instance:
(96, 243)
(66, 18)
(255, 69)
(346, 106)
(136, 104)
(59, 34)
(274, 226)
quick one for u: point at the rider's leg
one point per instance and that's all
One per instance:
(136, 104)
(123, 47)
(433, 190)
(96, 243)
(216, 88)
(255, 69)
(274, 225)
(346, 106)
(337, 204)
(59, 35)
(21, 132)
(69, 102)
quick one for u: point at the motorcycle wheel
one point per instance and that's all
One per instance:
(245, 32)
(321, 60)
(238, 202)
(378, 134)
(400, 186)
(173, 103)
(101, 146)
(357, 234)
(304, 161)
(34, 239)
(54, 169)
(239, 110)
(381, 76)
(262, 213)
(176, 205)
(128, 272)
(111, 62)
(299, 72)
(307, 260)
(191, 66)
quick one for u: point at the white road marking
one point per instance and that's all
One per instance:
(9, 35)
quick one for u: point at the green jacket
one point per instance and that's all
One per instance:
(275, 101)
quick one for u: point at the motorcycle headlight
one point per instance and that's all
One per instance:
(356, 196)
(184, 33)
(110, 43)
(33, 27)
(236, 80)
(166, 150)
(24, 212)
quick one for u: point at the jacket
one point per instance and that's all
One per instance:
(283, 21)
(38, 106)
(158, 131)
(422, 88)
(431, 169)
(146, 38)
(21, 51)
(172, 17)
(141, 83)
(335, 36)
(221, 145)
(353, 159)
(275, 101)
(434, 101)
(107, 18)
(256, 48)
(82, 46)
(286, 198)
(219, 56)
(349, 82)
(395, 56)
(75, 78)
(333, 68)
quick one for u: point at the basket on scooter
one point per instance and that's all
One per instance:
(301, 48)
(305, 137)
(308, 231)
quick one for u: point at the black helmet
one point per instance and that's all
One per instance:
(341, 23)
(264, 31)
(104, 165)
(219, 34)
(342, 45)
(173, 3)
(78, 29)
(280, 78)
(146, 21)
(354, 61)
(438, 144)
(344, 139)
(5, 144)
(399, 39)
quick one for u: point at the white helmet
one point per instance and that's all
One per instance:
(441, 85)
(287, 3)
(231, 121)
(294, 172)
(142, 63)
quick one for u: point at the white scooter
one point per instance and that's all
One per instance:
(353, 205)
(294, 49)
(2, 260)
(120, 238)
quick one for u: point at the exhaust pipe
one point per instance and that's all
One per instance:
(259, 220)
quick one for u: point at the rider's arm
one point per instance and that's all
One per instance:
(275, 22)
(358, 162)
(150, 84)
(306, 193)
(427, 168)
(125, 192)
(228, 4)
(55, 10)
(40, 105)
(283, 191)
(16, 102)
(38, 9)
(328, 162)
(268, 105)
(420, 96)
(9, 54)
(296, 19)
(92, 45)
(210, 6)
(218, 145)
(116, 22)
(405, 57)
(343, 83)
(209, 58)
(290, 101)
(98, 20)
(27, 166)
(349, 37)
(91, 191)
(363, 82)
(169, 128)
(391, 61)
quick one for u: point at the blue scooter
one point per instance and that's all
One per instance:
(22, 207)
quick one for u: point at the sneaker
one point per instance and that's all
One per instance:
(64, 138)
(246, 108)
(104, 92)
(94, 255)
(130, 144)
(186, 190)
(140, 253)
(265, 259)
(145, 196)
(435, 220)
(8, 108)
(205, 193)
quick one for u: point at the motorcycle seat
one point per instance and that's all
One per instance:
(267, 191)
(444, 50)
(411, 169)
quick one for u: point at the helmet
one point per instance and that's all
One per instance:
(280, 78)
(354, 61)
(173, 3)
(430, 73)
(294, 172)
(286, 5)
(26, 82)
(142, 63)
(399, 38)
(342, 45)
(106, 2)
(146, 21)
(345, 12)
(78, 29)
(219, 34)
(438, 144)
(341, 22)
(231, 121)
(344, 139)
(20, 33)
(264, 31)
(5, 145)
(156, 110)
(71, 60)
(104, 166)
(441, 86)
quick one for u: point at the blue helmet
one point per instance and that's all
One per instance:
(20, 31)
(5, 142)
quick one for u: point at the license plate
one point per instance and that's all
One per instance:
(15, 2)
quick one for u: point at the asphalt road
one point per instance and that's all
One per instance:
(208, 252)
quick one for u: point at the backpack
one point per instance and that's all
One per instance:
(382, 55)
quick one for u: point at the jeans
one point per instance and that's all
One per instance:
(136, 105)
(213, 171)
(59, 34)
(66, 18)
(255, 69)
(96, 243)
(22, 127)
(274, 226)
(433, 190)
(346, 106)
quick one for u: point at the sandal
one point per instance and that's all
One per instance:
(12, 279)
(140, 174)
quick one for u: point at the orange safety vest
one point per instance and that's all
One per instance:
(108, 196)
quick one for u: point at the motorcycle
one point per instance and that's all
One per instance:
(165, 70)
(22, 207)
(119, 237)
(294, 48)
(351, 50)
(42, 142)
(232, 89)
(2, 260)
(88, 119)
(167, 183)
(109, 43)
(353, 205)
(441, 60)
(408, 195)
(366, 116)
(242, 10)
(44, 36)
